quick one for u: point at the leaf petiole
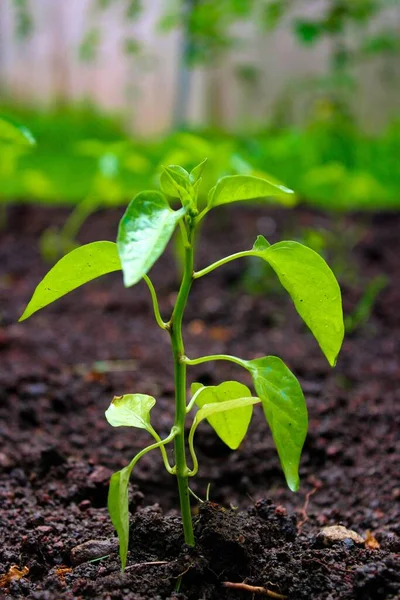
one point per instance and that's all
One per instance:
(222, 261)
(211, 357)
(202, 214)
(184, 234)
(156, 307)
(205, 412)
(153, 432)
(159, 444)
(192, 401)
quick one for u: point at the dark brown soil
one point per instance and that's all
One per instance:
(57, 451)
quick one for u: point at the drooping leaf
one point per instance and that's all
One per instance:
(13, 133)
(144, 231)
(246, 187)
(285, 410)
(131, 410)
(73, 270)
(231, 426)
(118, 501)
(314, 290)
(118, 507)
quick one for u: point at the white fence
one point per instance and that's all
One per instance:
(46, 66)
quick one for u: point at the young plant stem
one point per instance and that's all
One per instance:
(175, 329)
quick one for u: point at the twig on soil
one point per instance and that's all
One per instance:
(254, 589)
(147, 564)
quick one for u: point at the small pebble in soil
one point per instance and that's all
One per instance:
(336, 534)
(84, 505)
(93, 549)
(44, 529)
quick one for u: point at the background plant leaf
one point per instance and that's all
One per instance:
(231, 426)
(13, 133)
(73, 270)
(144, 231)
(285, 410)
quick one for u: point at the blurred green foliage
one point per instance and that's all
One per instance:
(80, 152)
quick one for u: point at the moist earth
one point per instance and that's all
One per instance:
(60, 369)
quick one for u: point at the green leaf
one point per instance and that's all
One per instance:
(285, 410)
(197, 171)
(246, 187)
(231, 426)
(144, 231)
(118, 501)
(130, 410)
(314, 290)
(212, 409)
(118, 507)
(261, 244)
(73, 270)
(13, 133)
(175, 181)
(172, 179)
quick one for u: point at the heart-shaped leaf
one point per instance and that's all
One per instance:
(231, 426)
(313, 288)
(144, 231)
(209, 410)
(130, 410)
(73, 270)
(285, 410)
(246, 187)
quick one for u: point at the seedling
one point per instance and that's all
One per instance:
(144, 231)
